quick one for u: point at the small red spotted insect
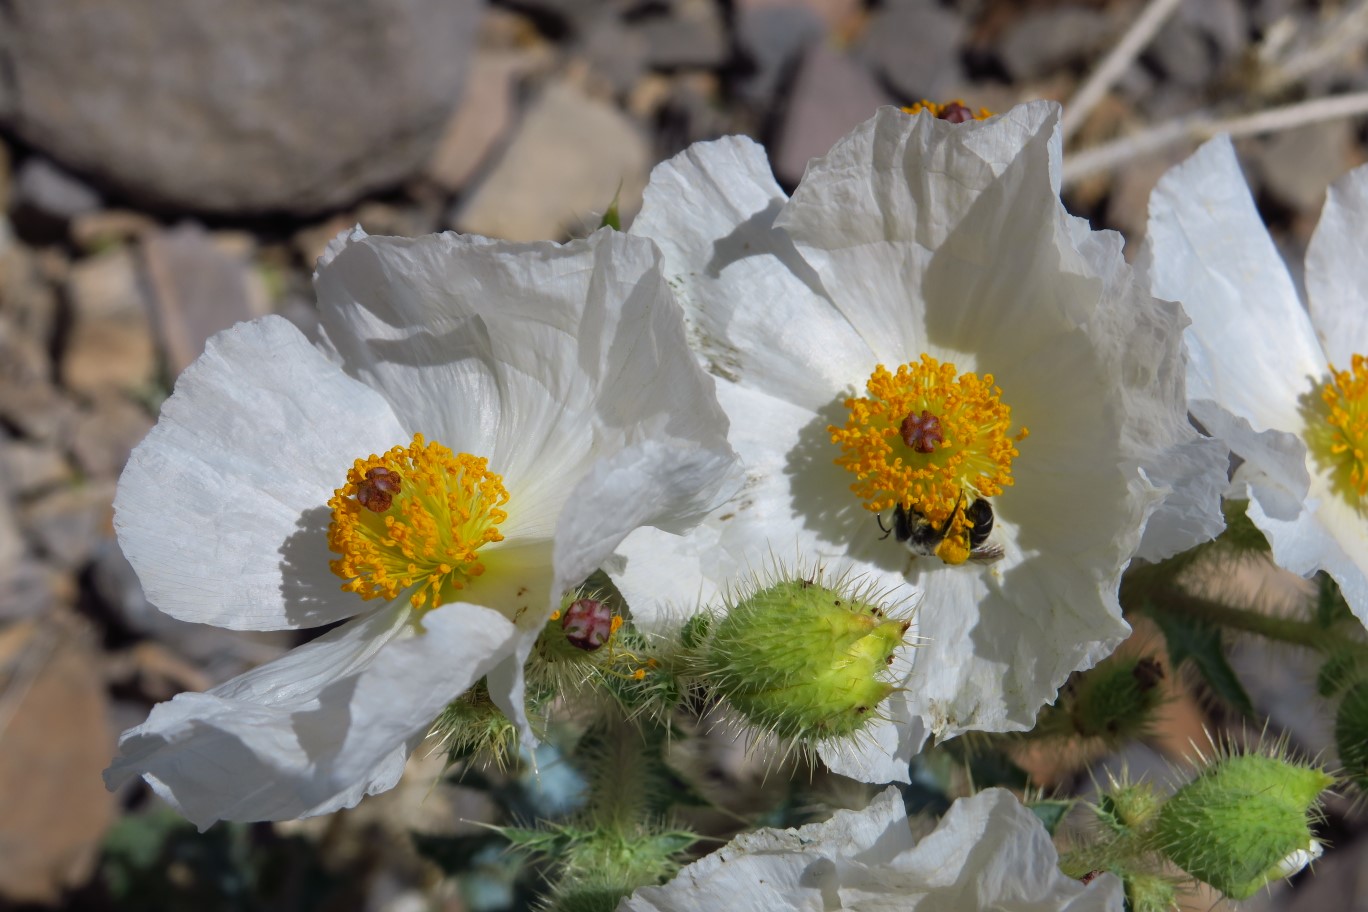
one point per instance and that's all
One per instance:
(588, 623)
(377, 492)
(922, 433)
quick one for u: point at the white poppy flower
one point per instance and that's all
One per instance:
(940, 251)
(988, 852)
(478, 428)
(1287, 389)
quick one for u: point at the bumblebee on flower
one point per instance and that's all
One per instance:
(882, 341)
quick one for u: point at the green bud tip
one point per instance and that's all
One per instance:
(806, 659)
(1117, 699)
(1129, 806)
(1243, 822)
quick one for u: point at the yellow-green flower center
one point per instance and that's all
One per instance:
(1337, 431)
(414, 519)
(929, 440)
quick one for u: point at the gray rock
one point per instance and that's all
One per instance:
(246, 107)
(771, 38)
(1296, 166)
(28, 303)
(68, 524)
(831, 95)
(110, 343)
(28, 468)
(915, 45)
(11, 539)
(51, 191)
(106, 228)
(37, 409)
(197, 289)
(1047, 39)
(614, 52)
(567, 159)
(220, 654)
(561, 16)
(691, 35)
(33, 587)
(105, 433)
(6, 189)
(483, 118)
(1184, 54)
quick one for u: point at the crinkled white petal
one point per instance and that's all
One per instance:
(541, 357)
(1273, 467)
(987, 853)
(926, 234)
(1337, 270)
(646, 484)
(318, 729)
(1251, 346)
(222, 508)
(1181, 474)
(758, 312)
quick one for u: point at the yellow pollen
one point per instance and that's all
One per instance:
(437, 510)
(954, 110)
(1341, 443)
(928, 440)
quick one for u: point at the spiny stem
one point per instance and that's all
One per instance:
(1286, 630)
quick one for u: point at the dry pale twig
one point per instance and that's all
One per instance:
(1137, 37)
(1204, 125)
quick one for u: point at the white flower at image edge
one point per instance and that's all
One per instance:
(987, 852)
(506, 412)
(1259, 374)
(916, 244)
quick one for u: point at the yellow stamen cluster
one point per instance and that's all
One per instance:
(970, 456)
(1344, 447)
(425, 540)
(955, 110)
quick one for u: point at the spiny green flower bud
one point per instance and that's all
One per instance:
(1243, 822)
(1117, 699)
(472, 726)
(804, 660)
(1351, 734)
(1340, 671)
(1148, 892)
(1129, 806)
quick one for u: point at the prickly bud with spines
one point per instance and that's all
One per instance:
(1243, 822)
(804, 660)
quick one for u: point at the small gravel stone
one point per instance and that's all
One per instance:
(197, 288)
(570, 155)
(109, 345)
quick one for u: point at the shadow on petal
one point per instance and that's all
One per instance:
(307, 585)
(823, 501)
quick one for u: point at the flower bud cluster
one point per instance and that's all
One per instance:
(1241, 823)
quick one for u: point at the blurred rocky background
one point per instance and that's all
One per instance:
(169, 169)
